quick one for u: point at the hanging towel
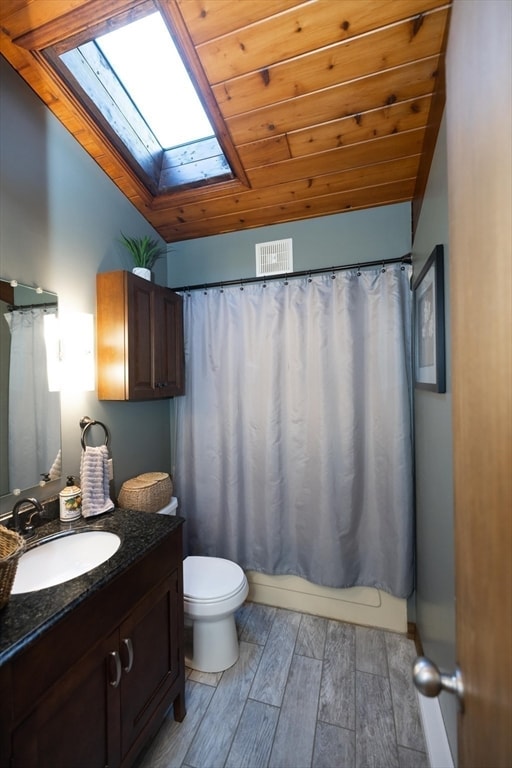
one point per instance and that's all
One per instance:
(94, 481)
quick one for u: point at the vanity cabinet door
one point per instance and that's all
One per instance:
(76, 723)
(149, 643)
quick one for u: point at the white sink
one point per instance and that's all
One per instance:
(61, 559)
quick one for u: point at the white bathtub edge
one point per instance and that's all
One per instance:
(358, 605)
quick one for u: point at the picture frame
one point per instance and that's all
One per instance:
(428, 324)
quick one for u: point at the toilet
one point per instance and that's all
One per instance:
(213, 588)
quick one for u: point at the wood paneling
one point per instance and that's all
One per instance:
(330, 65)
(320, 106)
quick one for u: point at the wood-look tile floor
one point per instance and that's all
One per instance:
(306, 692)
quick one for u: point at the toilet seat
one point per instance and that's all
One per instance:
(208, 580)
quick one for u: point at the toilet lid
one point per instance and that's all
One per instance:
(210, 578)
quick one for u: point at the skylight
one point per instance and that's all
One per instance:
(132, 81)
(147, 63)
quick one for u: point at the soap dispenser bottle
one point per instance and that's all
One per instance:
(70, 497)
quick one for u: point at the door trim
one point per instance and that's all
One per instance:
(436, 740)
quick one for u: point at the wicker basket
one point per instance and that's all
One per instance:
(11, 547)
(148, 492)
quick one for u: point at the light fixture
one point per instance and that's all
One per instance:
(70, 351)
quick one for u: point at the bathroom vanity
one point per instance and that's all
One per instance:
(89, 667)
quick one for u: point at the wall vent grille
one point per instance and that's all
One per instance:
(274, 257)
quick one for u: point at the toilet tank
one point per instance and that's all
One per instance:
(170, 508)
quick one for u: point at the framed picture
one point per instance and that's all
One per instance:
(429, 353)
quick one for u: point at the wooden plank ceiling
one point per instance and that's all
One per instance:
(322, 106)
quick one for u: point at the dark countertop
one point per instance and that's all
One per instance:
(27, 616)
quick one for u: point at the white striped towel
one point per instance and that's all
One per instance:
(94, 481)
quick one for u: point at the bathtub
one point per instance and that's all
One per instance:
(358, 605)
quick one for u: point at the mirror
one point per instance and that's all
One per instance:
(30, 432)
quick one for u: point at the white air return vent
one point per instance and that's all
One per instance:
(274, 257)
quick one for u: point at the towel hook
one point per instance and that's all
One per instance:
(85, 423)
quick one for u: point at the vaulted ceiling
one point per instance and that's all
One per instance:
(321, 107)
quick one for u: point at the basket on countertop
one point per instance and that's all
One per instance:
(11, 548)
(148, 492)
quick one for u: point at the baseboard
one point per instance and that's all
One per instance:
(436, 740)
(358, 605)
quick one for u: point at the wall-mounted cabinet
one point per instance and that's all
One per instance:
(139, 326)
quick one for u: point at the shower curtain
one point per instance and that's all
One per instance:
(34, 411)
(294, 437)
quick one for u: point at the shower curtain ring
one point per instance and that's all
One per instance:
(333, 275)
(383, 267)
(358, 273)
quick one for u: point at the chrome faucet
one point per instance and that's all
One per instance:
(28, 528)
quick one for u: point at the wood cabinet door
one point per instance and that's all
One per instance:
(141, 333)
(149, 648)
(169, 360)
(76, 723)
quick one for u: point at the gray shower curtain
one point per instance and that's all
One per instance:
(294, 437)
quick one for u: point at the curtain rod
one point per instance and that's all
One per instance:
(13, 307)
(406, 259)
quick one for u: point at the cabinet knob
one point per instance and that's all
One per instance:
(126, 652)
(114, 669)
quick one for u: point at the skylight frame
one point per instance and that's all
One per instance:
(195, 164)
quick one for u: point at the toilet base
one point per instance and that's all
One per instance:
(214, 644)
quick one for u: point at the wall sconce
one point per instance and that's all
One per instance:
(70, 351)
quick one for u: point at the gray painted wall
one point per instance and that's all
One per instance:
(358, 236)
(60, 218)
(435, 587)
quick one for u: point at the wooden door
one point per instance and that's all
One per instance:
(479, 124)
